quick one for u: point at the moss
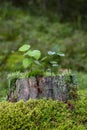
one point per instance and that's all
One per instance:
(42, 114)
(35, 73)
(72, 86)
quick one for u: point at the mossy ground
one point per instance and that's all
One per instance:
(43, 114)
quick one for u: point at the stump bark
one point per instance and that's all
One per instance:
(57, 87)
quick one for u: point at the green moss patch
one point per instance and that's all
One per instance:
(43, 114)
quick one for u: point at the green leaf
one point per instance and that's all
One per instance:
(51, 53)
(37, 62)
(24, 48)
(27, 62)
(54, 65)
(44, 58)
(35, 54)
(53, 62)
(60, 54)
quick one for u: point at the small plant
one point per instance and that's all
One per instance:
(31, 57)
(33, 60)
(51, 61)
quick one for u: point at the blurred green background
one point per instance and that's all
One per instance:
(44, 25)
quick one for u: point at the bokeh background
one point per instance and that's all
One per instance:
(44, 25)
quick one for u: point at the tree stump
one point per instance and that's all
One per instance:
(59, 87)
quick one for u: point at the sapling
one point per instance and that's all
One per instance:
(31, 57)
(33, 60)
(51, 61)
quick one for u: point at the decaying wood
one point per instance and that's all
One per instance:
(40, 87)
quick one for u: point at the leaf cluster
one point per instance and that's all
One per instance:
(33, 59)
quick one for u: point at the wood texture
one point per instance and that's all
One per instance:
(49, 87)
